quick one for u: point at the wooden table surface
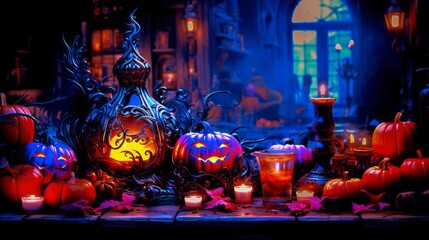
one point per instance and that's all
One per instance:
(251, 221)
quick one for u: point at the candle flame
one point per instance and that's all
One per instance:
(338, 47)
(322, 90)
(364, 141)
(352, 138)
(351, 43)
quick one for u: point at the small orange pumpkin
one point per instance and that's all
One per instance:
(382, 178)
(416, 169)
(343, 188)
(61, 192)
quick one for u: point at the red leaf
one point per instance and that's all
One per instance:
(315, 204)
(219, 201)
(373, 198)
(383, 205)
(121, 206)
(215, 193)
(297, 206)
(80, 206)
(357, 208)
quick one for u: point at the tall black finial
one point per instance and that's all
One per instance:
(132, 69)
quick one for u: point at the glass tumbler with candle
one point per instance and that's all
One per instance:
(276, 169)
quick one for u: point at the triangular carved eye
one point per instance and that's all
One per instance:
(199, 145)
(62, 162)
(223, 145)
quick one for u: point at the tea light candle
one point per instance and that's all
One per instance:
(304, 195)
(32, 202)
(193, 201)
(243, 193)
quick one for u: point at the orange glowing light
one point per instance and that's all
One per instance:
(352, 141)
(364, 141)
(322, 90)
(338, 47)
(351, 43)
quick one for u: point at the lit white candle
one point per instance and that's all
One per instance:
(32, 202)
(243, 193)
(304, 195)
(193, 201)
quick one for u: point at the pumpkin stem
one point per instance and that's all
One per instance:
(204, 126)
(72, 178)
(398, 117)
(3, 99)
(420, 154)
(47, 139)
(345, 176)
(384, 164)
(289, 140)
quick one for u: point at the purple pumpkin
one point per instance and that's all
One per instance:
(207, 150)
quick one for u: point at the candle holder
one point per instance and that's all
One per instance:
(363, 157)
(323, 148)
(276, 172)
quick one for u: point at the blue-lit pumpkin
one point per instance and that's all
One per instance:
(49, 154)
(207, 151)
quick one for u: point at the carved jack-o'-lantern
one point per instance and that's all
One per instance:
(49, 154)
(207, 150)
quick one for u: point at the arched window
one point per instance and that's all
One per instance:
(322, 39)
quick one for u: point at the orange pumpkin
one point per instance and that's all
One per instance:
(395, 140)
(61, 192)
(343, 188)
(416, 169)
(382, 178)
(27, 180)
(16, 123)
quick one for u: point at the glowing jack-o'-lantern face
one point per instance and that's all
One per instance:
(54, 155)
(207, 150)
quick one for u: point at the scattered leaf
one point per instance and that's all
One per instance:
(80, 206)
(373, 198)
(121, 206)
(315, 204)
(297, 206)
(219, 201)
(358, 208)
(383, 205)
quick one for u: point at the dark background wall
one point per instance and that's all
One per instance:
(36, 27)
